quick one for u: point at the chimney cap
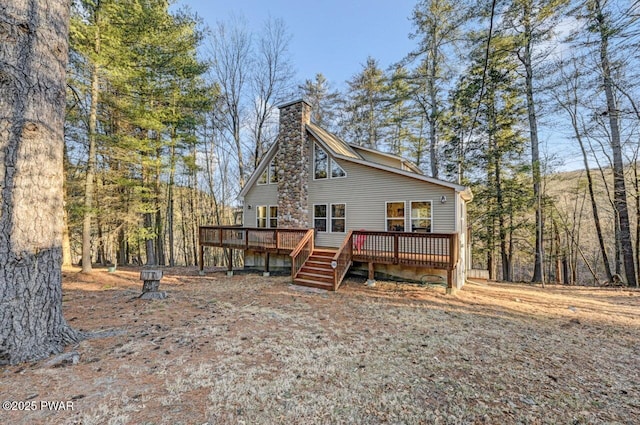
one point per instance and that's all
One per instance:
(293, 102)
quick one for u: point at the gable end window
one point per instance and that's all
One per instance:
(324, 167)
(273, 173)
(263, 178)
(336, 170)
(270, 174)
(320, 163)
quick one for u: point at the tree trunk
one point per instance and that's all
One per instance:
(148, 242)
(636, 186)
(538, 269)
(619, 189)
(33, 59)
(434, 113)
(66, 242)
(594, 204)
(91, 161)
(123, 248)
(170, 201)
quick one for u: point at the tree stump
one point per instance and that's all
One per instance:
(151, 285)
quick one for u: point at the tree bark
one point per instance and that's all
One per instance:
(33, 58)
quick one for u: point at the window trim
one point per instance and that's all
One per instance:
(411, 218)
(387, 218)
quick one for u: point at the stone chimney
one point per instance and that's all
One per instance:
(293, 161)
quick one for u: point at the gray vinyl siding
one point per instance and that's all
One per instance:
(259, 194)
(365, 192)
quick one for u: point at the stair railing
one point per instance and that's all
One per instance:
(301, 253)
(342, 260)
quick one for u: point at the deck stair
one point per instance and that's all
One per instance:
(317, 272)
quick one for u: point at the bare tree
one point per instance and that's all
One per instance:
(271, 84)
(33, 58)
(231, 55)
(603, 28)
(566, 95)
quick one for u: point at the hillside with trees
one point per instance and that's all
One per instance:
(168, 116)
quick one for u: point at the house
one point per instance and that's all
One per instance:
(375, 208)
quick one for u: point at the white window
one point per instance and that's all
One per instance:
(421, 216)
(273, 173)
(320, 217)
(270, 174)
(320, 163)
(395, 216)
(338, 218)
(261, 216)
(336, 170)
(273, 216)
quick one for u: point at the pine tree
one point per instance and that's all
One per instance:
(33, 59)
(437, 26)
(323, 101)
(364, 123)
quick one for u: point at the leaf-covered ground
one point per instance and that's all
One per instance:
(256, 350)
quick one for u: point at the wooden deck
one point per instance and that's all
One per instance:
(423, 250)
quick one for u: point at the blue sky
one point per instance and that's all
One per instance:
(329, 36)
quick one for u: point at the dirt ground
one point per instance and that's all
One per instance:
(250, 349)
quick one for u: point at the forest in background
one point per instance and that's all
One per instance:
(168, 116)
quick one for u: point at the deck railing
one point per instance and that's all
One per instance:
(433, 250)
(342, 260)
(258, 239)
(301, 253)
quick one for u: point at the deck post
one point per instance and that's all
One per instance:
(201, 260)
(396, 249)
(451, 290)
(230, 262)
(266, 265)
(370, 280)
